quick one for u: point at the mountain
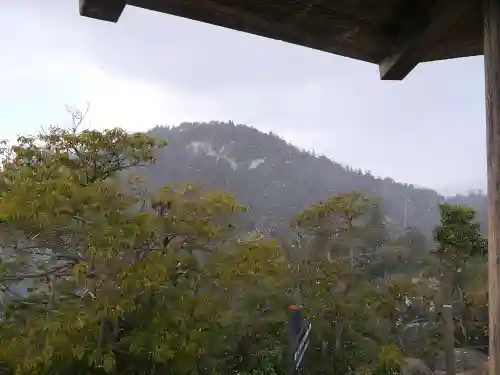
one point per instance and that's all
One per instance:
(276, 179)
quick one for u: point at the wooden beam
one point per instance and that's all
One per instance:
(104, 10)
(492, 90)
(419, 34)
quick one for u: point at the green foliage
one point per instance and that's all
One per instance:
(390, 361)
(458, 236)
(128, 282)
(102, 275)
(335, 226)
(340, 210)
(461, 251)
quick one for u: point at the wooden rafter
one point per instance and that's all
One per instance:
(104, 10)
(419, 33)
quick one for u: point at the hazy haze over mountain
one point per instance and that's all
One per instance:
(462, 188)
(277, 180)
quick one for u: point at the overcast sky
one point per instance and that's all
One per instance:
(151, 68)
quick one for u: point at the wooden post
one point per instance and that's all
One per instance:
(294, 325)
(449, 339)
(492, 91)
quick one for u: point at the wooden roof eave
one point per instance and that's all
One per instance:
(397, 38)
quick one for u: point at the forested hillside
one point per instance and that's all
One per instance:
(276, 179)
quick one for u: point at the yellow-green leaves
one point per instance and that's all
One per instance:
(124, 280)
(344, 208)
(68, 228)
(118, 279)
(458, 237)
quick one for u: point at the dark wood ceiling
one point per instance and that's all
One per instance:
(367, 30)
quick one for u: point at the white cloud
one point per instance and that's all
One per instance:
(66, 79)
(120, 102)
